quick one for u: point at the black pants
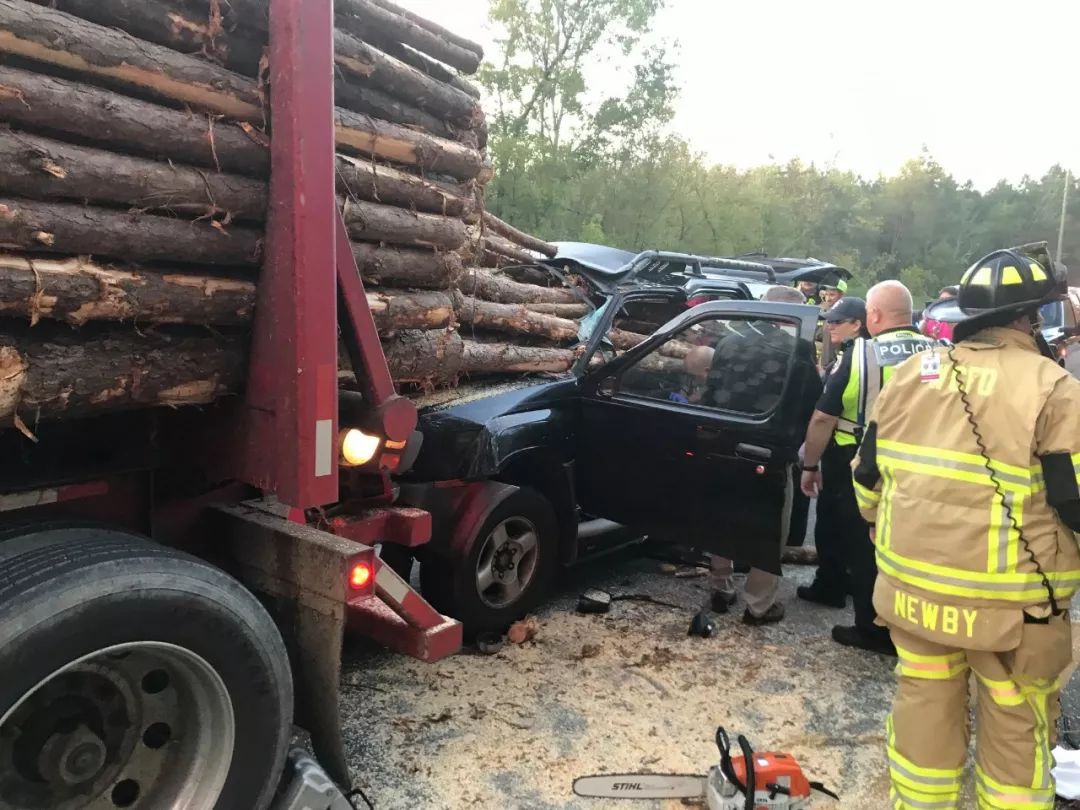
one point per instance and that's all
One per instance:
(848, 560)
(800, 511)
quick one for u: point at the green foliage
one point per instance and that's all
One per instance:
(573, 168)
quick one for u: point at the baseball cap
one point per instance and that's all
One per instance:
(847, 309)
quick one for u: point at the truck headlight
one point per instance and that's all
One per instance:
(357, 447)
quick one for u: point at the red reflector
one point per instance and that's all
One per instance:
(760, 469)
(360, 576)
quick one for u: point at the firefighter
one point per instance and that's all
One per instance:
(809, 289)
(976, 511)
(831, 441)
(833, 290)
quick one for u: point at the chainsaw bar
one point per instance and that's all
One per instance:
(640, 786)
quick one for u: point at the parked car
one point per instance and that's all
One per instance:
(1061, 327)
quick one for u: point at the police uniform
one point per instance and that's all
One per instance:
(977, 510)
(850, 392)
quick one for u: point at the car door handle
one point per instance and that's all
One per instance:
(753, 451)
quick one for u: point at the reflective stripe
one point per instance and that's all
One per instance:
(957, 466)
(867, 498)
(1003, 693)
(1012, 586)
(1037, 695)
(884, 524)
(1004, 539)
(931, 667)
(915, 786)
(994, 794)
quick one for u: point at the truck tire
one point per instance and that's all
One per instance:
(504, 570)
(134, 676)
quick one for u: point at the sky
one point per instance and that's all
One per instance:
(990, 89)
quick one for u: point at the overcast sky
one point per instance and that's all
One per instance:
(991, 88)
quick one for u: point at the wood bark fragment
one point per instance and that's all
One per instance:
(395, 310)
(385, 223)
(361, 16)
(364, 180)
(405, 267)
(507, 231)
(131, 237)
(501, 358)
(78, 291)
(45, 169)
(492, 287)
(512, 319)
(70, 109)
(66, 41)
(428, 358)
(71, 375)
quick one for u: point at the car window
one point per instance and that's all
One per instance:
(1072, 311)
(730, 364)
(1052, 314)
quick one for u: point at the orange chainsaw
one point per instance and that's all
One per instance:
(752, 781)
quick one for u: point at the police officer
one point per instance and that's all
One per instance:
(833, 437)
(977, 510)
(844, 323)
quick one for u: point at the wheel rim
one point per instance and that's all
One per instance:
(507, 562)
(140, 725)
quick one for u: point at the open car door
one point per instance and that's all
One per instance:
(690, 436)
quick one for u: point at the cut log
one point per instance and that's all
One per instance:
(422, 63)
(370, 136)
(361, 16)
(79, 291)
(60, 39)
(493, 223)
(372, 101)
(572, 311)
(171, 25)
(513, 319)
(105, 53)
(89, 114)
(80, 375)
(380, 70)
(395, 310)
(500, 358)
(434, 28)
(428, 358)
(386, 223)
(405, 267)
(44, 169)
(131, 237)
(624, 340)
(493, 243)
(365, 180)
(491, 287)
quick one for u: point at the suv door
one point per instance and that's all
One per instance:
(690, 436)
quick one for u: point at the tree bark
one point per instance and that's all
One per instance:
(70, 375)
(44, 169)
(624, 340)
(572, 311)
(47, 104)
(78, 230)
(491, 287)
(504, 229)
(385, 223)
(405, 267)
(505, 249)
(513, 319)
(370, 136)
(380, 70)
(500, 358)
(171, 25)
(434, 28)
(361, 16)
(60, 39)
(365, 180)
(79, 291)
(373, 101)
(395, 310)
(422, 63)
(429, 358)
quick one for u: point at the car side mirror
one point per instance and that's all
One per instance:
(607, 387)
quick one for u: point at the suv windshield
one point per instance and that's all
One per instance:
(1052, 315)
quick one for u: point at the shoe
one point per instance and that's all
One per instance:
(723, 600)
(810, 593)
(871, 642)
(771, 616)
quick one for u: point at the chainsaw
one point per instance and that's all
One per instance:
(752, 781)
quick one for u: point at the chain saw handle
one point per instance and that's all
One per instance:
(727, 767)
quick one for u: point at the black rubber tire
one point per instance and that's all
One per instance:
(449, 584)
(66, 593)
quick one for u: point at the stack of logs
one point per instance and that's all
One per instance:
(134, 170)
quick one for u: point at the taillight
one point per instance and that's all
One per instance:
(360, 576)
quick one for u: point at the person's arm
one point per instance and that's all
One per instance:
(1057, 444)
(823, 424)
(867, 476)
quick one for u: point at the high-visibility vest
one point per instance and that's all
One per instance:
(873, 362)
